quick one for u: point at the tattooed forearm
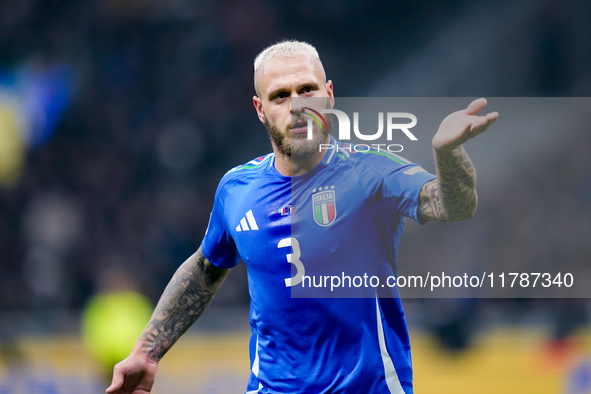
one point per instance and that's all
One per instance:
(186, 297)
(452, 196)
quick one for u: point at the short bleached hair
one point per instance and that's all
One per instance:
(286, 49)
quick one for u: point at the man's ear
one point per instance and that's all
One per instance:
(258, 105)
(330, 92)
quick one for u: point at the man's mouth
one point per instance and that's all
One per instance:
(299, 126)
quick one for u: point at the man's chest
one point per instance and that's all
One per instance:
(317, 214)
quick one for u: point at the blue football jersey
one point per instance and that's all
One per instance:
(344, 218)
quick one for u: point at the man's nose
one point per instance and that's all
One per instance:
(295, 111)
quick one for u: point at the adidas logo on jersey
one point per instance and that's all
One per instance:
(247, 223)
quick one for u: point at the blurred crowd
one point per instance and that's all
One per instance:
(161, 108)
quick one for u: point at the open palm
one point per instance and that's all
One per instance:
(460, 126)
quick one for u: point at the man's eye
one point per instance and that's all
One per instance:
(308, 89)
(282, 95)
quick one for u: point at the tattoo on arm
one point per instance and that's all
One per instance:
(186, 297)
(429, 203)
(452, 196)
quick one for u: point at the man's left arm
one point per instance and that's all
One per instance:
(452, 195)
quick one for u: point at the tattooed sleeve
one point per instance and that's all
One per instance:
(452, 196)
(186, 297)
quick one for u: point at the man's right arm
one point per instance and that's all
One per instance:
(186, 297)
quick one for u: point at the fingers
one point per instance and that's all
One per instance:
(116, 383)
(491, 116)
(475, 106)
(483, 122)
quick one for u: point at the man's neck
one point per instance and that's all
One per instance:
(287, 166)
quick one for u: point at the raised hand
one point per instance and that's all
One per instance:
(460, 126)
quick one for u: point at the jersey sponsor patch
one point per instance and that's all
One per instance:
(287, 210)
(324, 206)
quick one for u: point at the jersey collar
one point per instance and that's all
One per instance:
(332, 151)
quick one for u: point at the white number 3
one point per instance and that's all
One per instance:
(293, 258)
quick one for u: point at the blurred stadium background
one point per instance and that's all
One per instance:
(118, 118)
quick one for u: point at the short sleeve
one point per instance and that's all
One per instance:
(403, 186)
(218, 246)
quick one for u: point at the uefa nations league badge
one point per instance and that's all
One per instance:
(323, 205)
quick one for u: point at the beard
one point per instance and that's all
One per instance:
(297, 148)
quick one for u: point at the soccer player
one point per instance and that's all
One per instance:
(301, 208)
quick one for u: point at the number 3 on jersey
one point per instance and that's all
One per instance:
(293, 258)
